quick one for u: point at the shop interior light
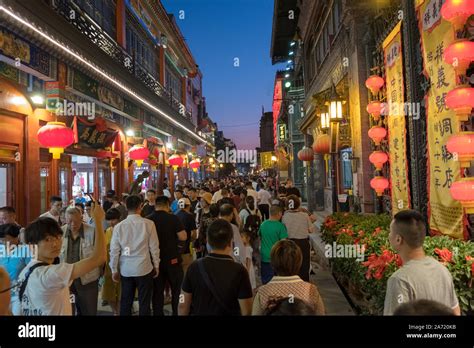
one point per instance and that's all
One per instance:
(287, 68)
(37, 99)
(287, 75)
(292, 43)
(290, 61)
(274, 158)
(287, 84)
(18, 100)
(291, 53)
(130, 133)
(169, 146)
(102, 73)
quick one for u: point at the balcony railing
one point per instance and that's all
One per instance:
(87, 26)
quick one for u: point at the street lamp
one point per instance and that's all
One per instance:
(325, 121)
(335, 117)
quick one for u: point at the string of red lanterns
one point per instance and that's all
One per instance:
(377, 133)
(460, 54)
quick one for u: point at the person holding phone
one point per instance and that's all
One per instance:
(45, 286)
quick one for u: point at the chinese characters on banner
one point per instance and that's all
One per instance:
(89, 134)
(392, 47)
(266, 159)
(445, 213)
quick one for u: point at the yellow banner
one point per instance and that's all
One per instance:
(397, 111)
(266, 160)
(445, 213)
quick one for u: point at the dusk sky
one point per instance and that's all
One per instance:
(217, 31)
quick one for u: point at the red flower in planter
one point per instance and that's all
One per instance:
(377, 231)
(444, 254)
(377, 264)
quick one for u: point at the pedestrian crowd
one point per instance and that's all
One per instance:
(235, 246)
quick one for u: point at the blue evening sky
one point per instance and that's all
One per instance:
(217, 31)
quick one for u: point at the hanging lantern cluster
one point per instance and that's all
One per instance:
(460, 54)
(139, 153)
(377, 133)
(56, 136)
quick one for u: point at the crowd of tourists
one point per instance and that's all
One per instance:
(235, 246)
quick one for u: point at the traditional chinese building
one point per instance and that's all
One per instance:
(117, 72)
(376, 83)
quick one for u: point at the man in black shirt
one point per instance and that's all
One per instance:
(172, 235)
(193, 197)
(189, 223)
(216, 284)
(149, 206)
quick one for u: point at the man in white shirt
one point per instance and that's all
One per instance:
(217, 196)
(264, 198)
(135, 248)
(420, 277)
(56, 203)
(251, 191)
(46, 286)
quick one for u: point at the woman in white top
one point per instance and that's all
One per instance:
(299, 226)
(47, 286)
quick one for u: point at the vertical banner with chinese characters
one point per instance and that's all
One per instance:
(393, 57)
(445, 213)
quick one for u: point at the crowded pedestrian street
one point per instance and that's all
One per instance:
(237, 158)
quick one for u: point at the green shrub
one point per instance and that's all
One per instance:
(369, 278)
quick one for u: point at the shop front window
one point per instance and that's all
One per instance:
(7, 173)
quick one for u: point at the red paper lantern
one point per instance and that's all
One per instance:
(306, 154)
(55, 136)
(461, 100)
(379, 184)
(194, 165)
(375, 109)
(377, 134)
(460, 54)
(139, 153)
(176, 161)
(378, 159)
(463, 191)
(461, 146)
(322, 144)
(457, 12)
(374, 83)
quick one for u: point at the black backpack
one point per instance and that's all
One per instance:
(252, 225)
